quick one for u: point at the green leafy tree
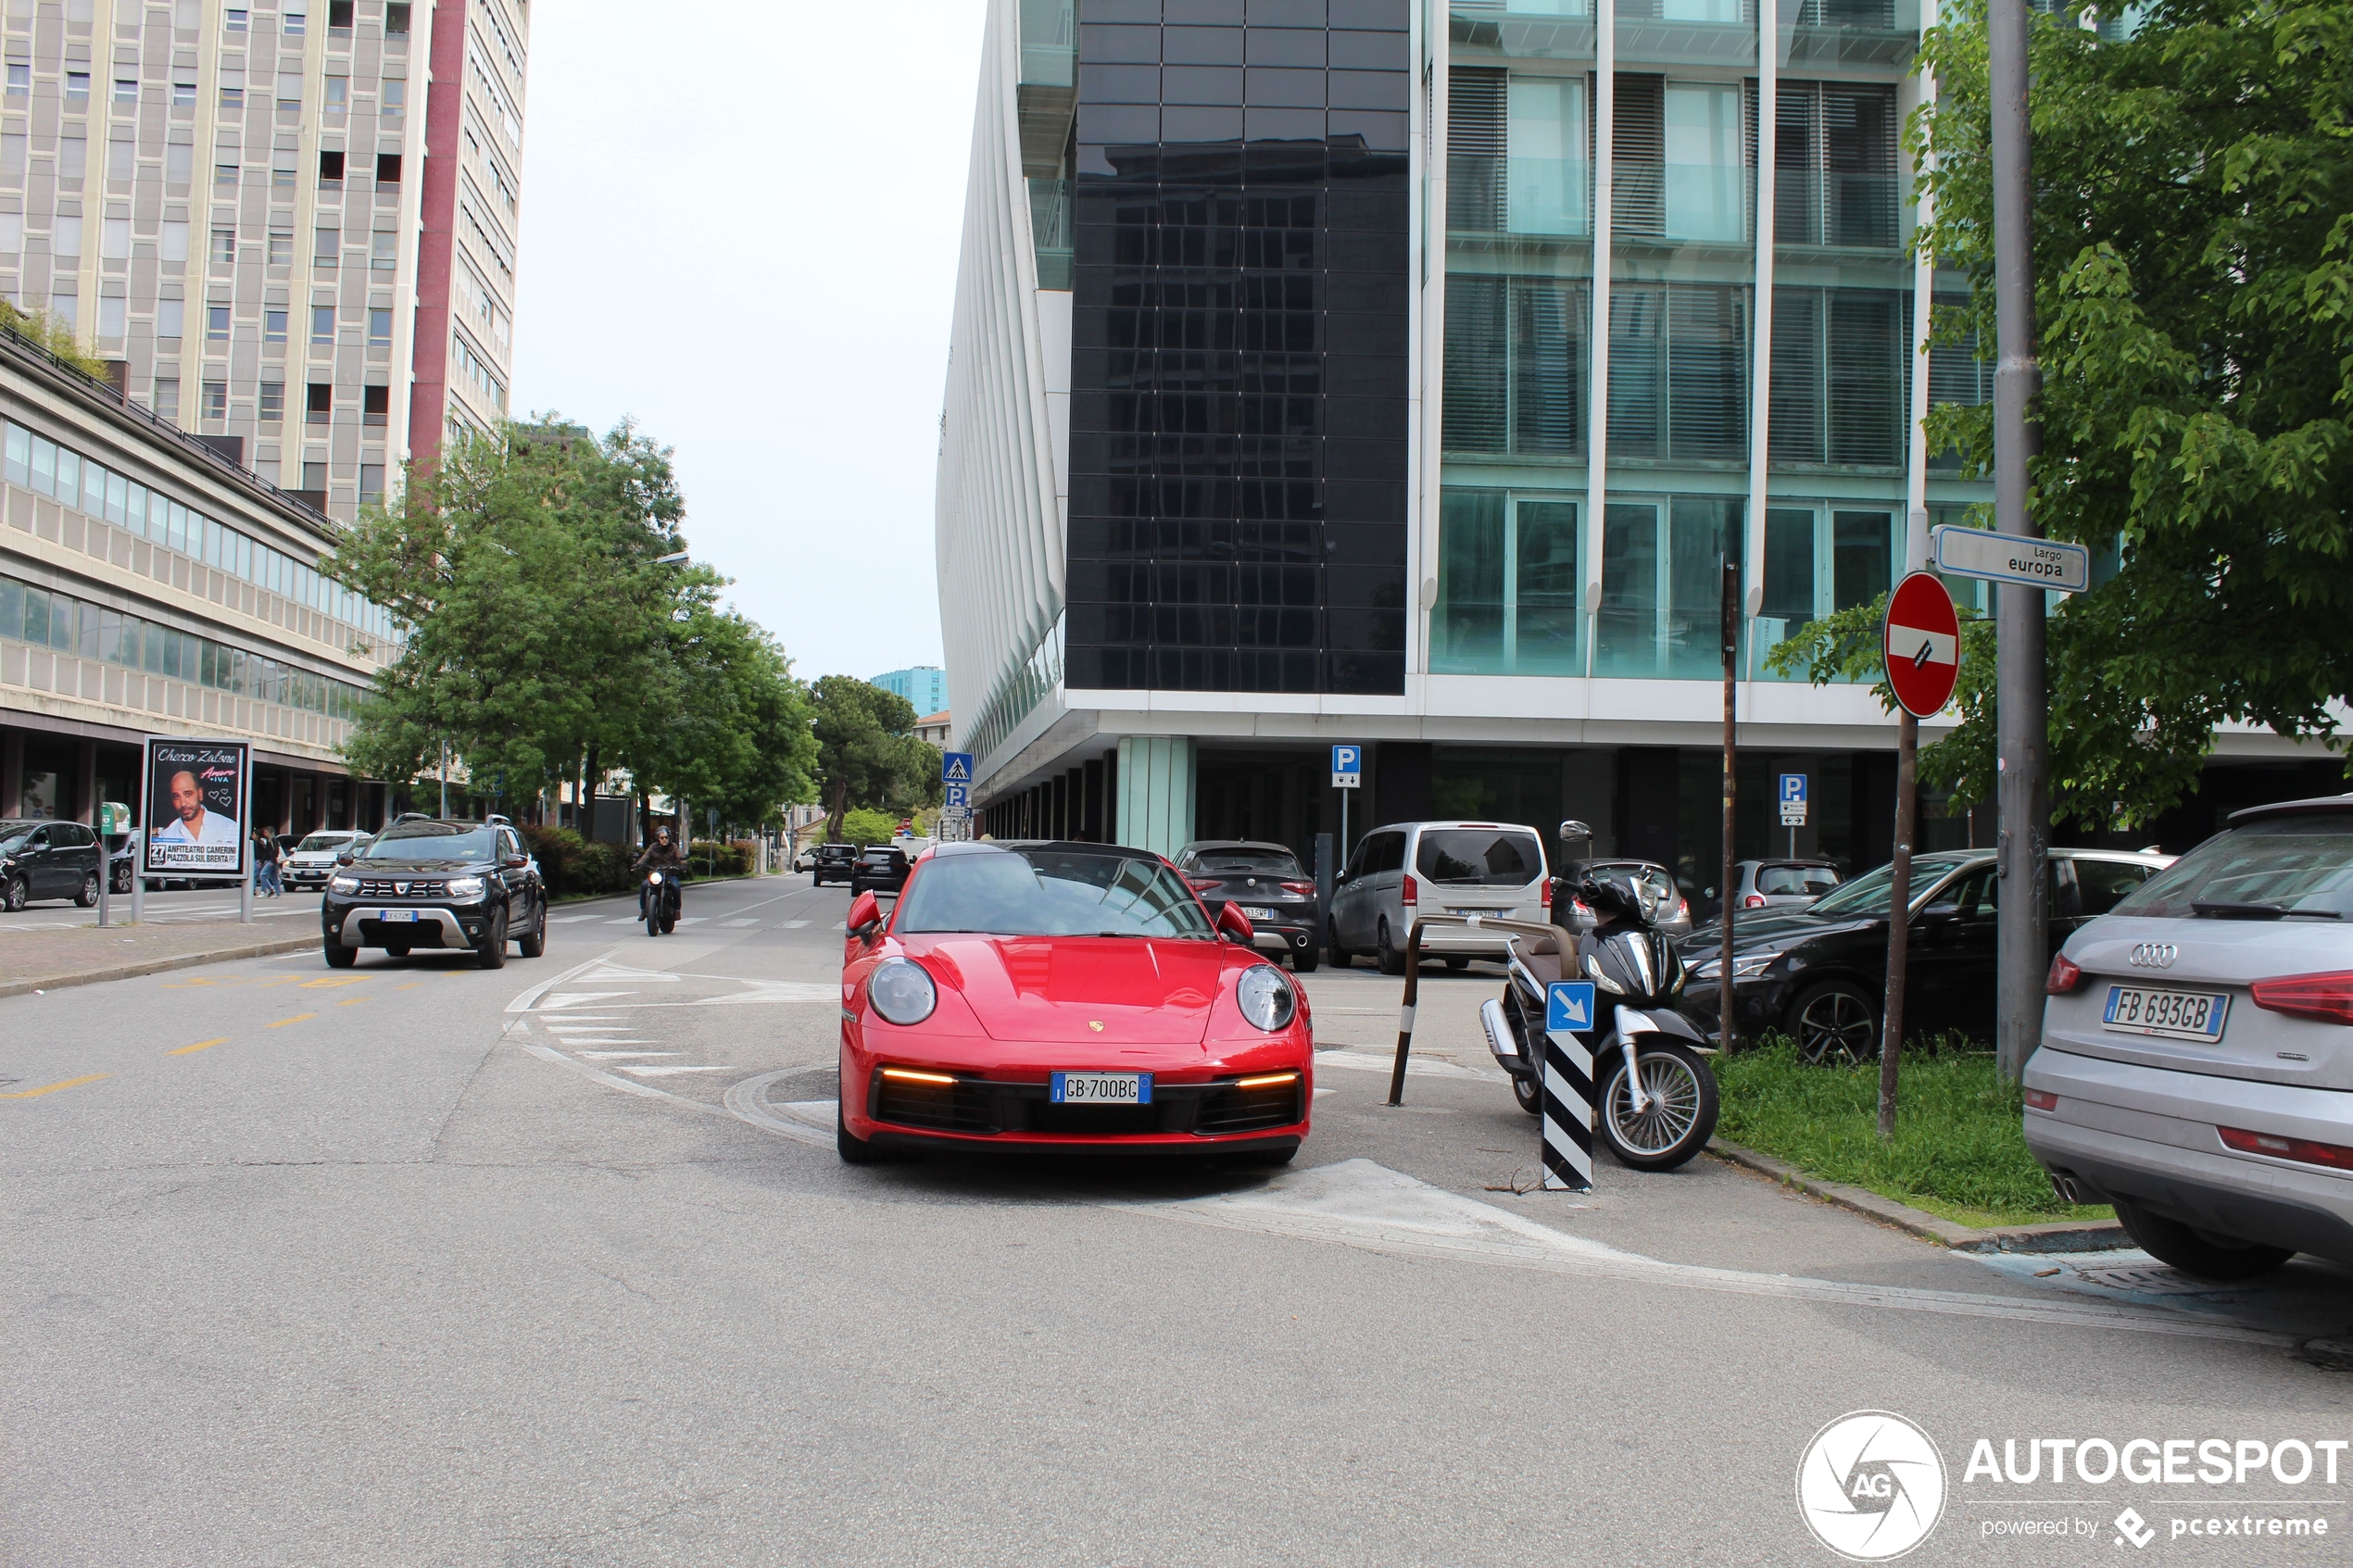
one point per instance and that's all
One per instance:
(862, 827)
(867, 752)
(736, 731)
(542, 623)
(2193, 229)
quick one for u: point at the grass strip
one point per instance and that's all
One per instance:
(1959, 1151)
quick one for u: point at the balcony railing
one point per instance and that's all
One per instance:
(1856, 211)
(1671, 203)
(1048, 42)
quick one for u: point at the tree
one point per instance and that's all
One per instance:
(2194, 287)
(867, 752)
(548, 639)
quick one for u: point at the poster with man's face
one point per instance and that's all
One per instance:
(195, 806)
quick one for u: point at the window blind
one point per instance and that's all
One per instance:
(1638, 199)
(1548, 379)
(1477, 106)
(1476, 364)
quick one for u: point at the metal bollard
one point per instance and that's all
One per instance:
(1569, 1087)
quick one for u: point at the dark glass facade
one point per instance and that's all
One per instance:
(1238, 384)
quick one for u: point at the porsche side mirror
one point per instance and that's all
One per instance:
(1236, 925)
(866, 916)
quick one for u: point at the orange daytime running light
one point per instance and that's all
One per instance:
(1265, 1079)
(913, 1077)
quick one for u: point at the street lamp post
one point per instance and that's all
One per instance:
(2022, 693)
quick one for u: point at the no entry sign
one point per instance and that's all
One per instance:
(1923, 645)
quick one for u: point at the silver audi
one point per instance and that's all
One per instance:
(2197, 1065)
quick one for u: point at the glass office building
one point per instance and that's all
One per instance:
(1402, 373)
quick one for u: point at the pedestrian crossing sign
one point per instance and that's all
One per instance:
(956, 766)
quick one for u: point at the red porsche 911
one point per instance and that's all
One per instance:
(1074, 997)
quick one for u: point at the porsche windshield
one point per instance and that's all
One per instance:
(1051, 891)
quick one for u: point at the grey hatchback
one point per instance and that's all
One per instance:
(2196, 1064)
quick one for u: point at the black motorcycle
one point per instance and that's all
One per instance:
(1657, 1094)
(659, 898)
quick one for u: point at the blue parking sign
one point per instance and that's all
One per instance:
(1348, 766)
(1568, 1004)
(959, 797)
(1792, 789)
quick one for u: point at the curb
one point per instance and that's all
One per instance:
(2061, 1235)
(138, 967)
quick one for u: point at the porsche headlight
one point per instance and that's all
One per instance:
(343, 883)
(901, 991)
(1266, 997)
(465, 888)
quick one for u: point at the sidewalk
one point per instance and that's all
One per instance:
(45, 960)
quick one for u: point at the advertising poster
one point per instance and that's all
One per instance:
(196, 806)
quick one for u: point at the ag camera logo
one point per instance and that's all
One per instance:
(1870, 1486)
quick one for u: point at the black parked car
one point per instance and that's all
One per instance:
(424, 882)
(47, 859)
(1266, 883)
(832, 862)
(1819, 974)
(880, 868)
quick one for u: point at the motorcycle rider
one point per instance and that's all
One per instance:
(661, 855)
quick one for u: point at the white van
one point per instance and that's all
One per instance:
(1409, 869)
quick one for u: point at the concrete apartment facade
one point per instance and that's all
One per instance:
(149, 585)
(1288, 407)
(294, 225)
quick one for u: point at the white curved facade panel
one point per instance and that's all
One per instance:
(999, 519)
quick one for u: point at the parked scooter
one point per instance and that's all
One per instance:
(661, 897)
(1655, 1094)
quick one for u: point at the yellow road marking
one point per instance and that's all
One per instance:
(53, 1088)
(297, 1018)
(332, 981)
(411, 987)
(354, 1002)
(199, 1046)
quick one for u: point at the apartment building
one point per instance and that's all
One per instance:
(923, 685)
(1287, 405)
(150, 585)
(292, 225)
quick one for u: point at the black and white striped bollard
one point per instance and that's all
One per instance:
(1567, 1086)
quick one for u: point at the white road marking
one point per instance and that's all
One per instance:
(631, 921)
(1360, 1203)
(668, 1071)
(568, 920)
(1321, 1093)
(694, 920)
(747, 1100)
(739, 922)
(617, 1056)
(795, 924)
(573, 999)
(1415, 1066)
(773, 991)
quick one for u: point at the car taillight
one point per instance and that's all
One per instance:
(2328, 998)
(1409, 893)
(2041, 1099)
(1202, 883)
(2304, 1151)
(2064, 976)
(1299, 889)
(1577, 906)
(1752, 900)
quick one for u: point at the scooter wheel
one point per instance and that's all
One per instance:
(1529, 1094)
(1680, 1116)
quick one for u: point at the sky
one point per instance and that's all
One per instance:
(740, 222)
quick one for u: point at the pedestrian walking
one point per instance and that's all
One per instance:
(266, 880)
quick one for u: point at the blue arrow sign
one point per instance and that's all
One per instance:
(1568, 1004)
(956, 766)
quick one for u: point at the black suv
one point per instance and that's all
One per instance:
(833, 862)
(48, 859)
(423, 883)
(1267, 880)
(880, 868)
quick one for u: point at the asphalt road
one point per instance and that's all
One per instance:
(419, 1263)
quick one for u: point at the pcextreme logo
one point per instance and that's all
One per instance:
(1870, 1486)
